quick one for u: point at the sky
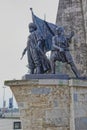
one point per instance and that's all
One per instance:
(15, 16)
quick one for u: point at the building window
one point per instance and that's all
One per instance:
(17, 125)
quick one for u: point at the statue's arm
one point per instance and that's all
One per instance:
(39, 39)
(25, 49)
(23, 53)
(55, 46)
(39, 43)
(69, 37)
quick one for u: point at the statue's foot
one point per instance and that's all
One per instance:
(38, 70)
(81, 77)
(31, 71)
(52, 72)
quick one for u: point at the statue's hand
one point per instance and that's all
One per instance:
(23, 53)
(61, 49)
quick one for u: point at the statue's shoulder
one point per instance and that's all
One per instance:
(35, 33)
(31, 35)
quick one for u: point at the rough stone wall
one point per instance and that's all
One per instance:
(80, 108)
(72, 14)
(44, 106)
(51, 104)
(79, 105)
(84, 4)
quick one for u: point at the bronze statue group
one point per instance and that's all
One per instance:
(38, 62)
(40, 41)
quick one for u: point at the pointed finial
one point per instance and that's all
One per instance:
(31, 9)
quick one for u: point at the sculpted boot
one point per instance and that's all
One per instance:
(38, 70)
(31, 71)
(74, 69)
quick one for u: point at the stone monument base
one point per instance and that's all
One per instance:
(51, 104)
(45, 76)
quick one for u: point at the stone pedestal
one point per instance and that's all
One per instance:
(51, 104)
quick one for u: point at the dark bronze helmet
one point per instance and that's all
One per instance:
(32, 25)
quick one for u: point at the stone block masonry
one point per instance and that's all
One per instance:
(51, 104)
(72, 14)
